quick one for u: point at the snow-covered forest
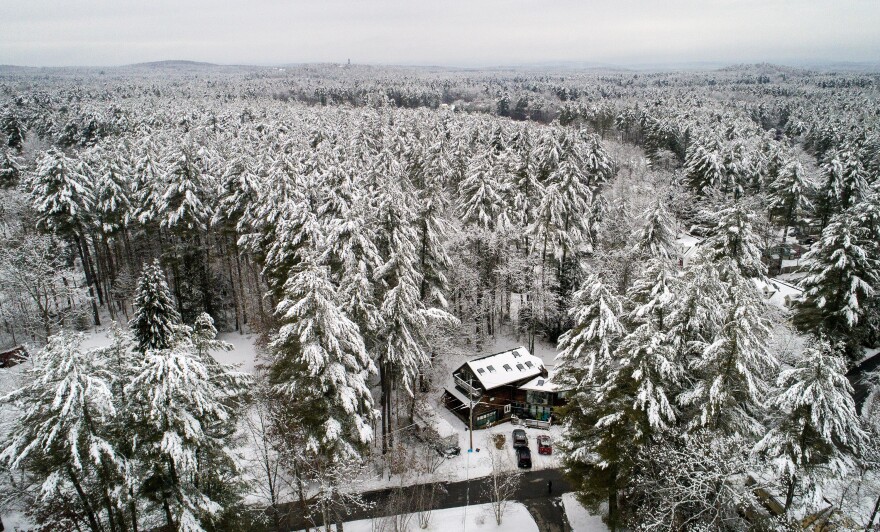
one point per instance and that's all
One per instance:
(702, 248)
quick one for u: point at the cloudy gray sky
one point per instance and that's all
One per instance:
(446, 32)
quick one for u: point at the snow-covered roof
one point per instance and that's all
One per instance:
(503, 368)
(778, 292)
(541, 384)
(687, 244)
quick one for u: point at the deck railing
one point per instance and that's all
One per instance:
(475, 393)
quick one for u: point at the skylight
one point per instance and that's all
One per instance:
(529, 363)
(507, 367)
(491, 369)
(520, 367)
(481, 371)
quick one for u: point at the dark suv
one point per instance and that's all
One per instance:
(520, 439)
(523, 458)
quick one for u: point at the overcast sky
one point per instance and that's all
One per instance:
(443, 32)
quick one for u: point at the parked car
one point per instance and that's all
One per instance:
(520, 439)
(523, 458)
(545, 446)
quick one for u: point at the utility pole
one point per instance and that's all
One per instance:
(471, 409)
(471, 421)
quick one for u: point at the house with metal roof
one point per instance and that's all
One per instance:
(498, 387)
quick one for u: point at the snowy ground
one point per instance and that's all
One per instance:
(478, 517)
(13, 518)
(579, 518)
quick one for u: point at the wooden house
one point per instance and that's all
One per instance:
(503, 385)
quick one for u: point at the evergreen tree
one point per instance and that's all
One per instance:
(14, 132)
(653, 295)
(844, 182)
(183, 422)
(63, 199)
(321, 367)
(704, 166)
(590, 342)
(731, 374)
(62, 435)
(816, 431)
(734, 244)
(155, 315)
(842, 273)
(181, 205)
(10, 170)
(657, 236)
(480, 193)
(789, 195)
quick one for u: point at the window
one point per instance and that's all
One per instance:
(529, 363)
(536, 398)
(516, 354)
(507, 367)
(507, 408)
(520, 367)
(491, 369)
(540, 382)
(481, 371)
(484, 419)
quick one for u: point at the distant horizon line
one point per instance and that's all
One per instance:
(550, 63)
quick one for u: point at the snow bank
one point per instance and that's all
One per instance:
(477, 517)
(579, 518)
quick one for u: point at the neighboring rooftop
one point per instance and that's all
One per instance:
(541, 384)
(507, 367)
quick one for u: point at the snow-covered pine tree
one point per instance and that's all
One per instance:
(402, 340)
(353, 259)
(697, 310)
(13, 129)
(181, 206)
(184, 459)
(63, 199)
(320, 366)
(816, 434)
(597, 314)
(432, 226)
(155, 315)
(148, 185)
(113, 208)
(653, 294)
(641, 388)
(842, 274)
(203, 336)
(298, 233)
(732, 372)
(704, 166)
(10, 169)
(788, 195)
(61, 436)
(733, 243)
(597, 440)
(843, 183)
(657, 236)
(480, 193)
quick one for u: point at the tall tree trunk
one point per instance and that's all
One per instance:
(90, 513)
(80, 246)
(870, 523)
(789, 494)
(132, 508)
